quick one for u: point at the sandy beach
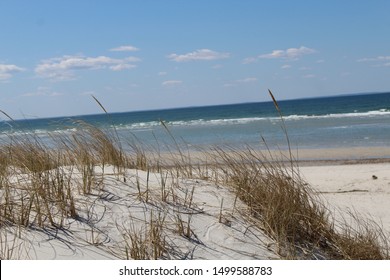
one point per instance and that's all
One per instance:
(361, 187)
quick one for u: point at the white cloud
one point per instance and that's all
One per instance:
(172, 83)
(378, 58)
(290, 54)
(202, 54)
(127, 48)
(123, 66)
(309, 76)
(7, 70)
(382, 60)
(62, 68)
(162, 73)
(273, 54)
(286, 66)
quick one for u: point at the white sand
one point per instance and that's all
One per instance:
(118, 209)
(353, 188)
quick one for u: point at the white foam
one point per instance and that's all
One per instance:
(227, 121)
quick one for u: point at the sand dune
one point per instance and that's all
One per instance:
(194, 219)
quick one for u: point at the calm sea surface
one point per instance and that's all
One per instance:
(329, 122)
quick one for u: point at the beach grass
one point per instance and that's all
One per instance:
(43, 187)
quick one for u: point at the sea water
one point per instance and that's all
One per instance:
(328, 122)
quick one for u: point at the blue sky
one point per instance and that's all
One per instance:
(138, 55)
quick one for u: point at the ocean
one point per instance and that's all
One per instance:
(328, 122)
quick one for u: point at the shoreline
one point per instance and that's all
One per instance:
(343, 154)
(301, 157)
(334, 156)
(341, 162)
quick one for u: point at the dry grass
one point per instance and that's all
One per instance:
(278, 200)
(147, 242)
(361, 238)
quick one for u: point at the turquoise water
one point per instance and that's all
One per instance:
(341, 121)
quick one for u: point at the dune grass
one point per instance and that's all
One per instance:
(38, 186)
(288, 210)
